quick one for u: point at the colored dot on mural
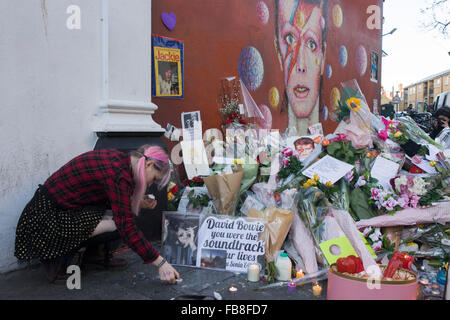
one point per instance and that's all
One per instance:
(338, 16)
(325, 113)
(361, 60)
(265, 123)
(343, 56)
(251, 68)
(335, 97)
(274, 97)
(329, 71)
(300, 18)
(262, 12)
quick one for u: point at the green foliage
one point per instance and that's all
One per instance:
(344, 151)
(201, 200)
(294, 167)
(431, 196)
(271, 272)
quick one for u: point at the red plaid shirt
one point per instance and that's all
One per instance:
(102, 177)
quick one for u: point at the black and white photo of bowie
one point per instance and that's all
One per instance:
(168, 78)
(189, 119)
(180, 240)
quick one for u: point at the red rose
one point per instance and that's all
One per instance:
(174, 189)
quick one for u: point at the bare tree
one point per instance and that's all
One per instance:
(437, 16)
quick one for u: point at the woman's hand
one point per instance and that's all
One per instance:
(148, 203)
(168, 274)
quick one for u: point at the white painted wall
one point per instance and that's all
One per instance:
(51, 88)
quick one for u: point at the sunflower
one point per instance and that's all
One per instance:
(354, 104)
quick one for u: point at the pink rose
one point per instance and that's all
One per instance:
(287, 152)
(383, 135)
(285, 162)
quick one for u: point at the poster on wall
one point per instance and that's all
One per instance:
(179, 238)
(374, 67)
(230, 244)
(167, 67)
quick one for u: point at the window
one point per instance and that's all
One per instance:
(446, 80)
(438, 82)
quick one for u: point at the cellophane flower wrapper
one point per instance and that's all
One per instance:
(417, 134)
(264, 192)
(185, 208)
(359, 130)
(312, 210)
(410, 216)
(349, 228)
(430, 234)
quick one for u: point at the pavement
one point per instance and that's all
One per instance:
(141, 282)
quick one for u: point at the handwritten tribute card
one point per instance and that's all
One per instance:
(328, 169)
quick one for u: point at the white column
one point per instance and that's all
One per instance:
(125, 104)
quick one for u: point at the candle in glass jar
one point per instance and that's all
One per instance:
(253, 273)
(317, 289)
(291, 286)
(300, 274)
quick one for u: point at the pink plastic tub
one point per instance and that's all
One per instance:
(345, 287)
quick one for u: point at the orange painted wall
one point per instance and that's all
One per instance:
(214, 33)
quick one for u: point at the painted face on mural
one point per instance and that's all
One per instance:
(300, 26)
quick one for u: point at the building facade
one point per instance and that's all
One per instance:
(424, 92)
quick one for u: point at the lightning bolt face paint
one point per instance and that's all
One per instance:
(300, 27)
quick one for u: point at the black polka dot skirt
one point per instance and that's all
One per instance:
(46, 232)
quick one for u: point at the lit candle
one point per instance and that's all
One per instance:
(253, 273)
(232, 289)
(317, 289)
(300, 273)
(291, 286)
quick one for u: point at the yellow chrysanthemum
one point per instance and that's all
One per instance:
(316, 177)
(432, 163)
(354, 104)
(329, 184)
(309, 183)
(398, 134)
(169, 196)
(238, 161)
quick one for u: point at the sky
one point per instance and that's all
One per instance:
(413, 52)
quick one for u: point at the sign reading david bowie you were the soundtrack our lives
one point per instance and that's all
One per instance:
(229, 243)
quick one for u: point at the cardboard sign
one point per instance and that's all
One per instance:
(228, 243)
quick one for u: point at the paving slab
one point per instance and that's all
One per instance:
(141, 282)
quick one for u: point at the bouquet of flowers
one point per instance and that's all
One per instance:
(342, 149)
(380, 243)
(290, 173)
(385, 200)
(173, 197)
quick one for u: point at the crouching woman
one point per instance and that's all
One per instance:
(69, 209)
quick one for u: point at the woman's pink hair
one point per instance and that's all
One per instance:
(161, 163)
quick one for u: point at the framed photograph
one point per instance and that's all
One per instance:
(179, 238)
(167, 67)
